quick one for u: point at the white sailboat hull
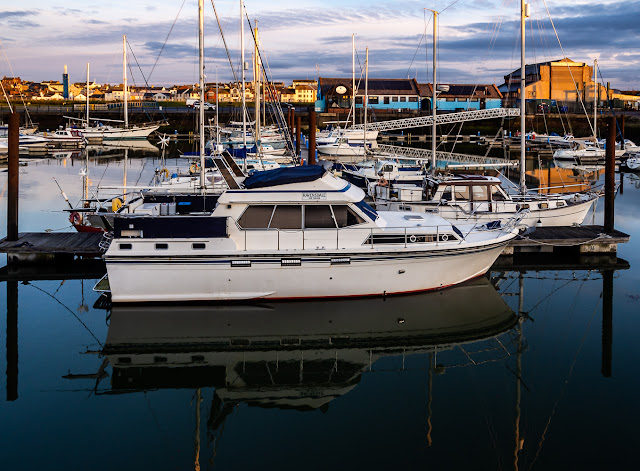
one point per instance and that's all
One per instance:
(113, 133)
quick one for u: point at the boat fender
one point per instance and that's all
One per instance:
(75, 218)
(116, 204)
(383, 182)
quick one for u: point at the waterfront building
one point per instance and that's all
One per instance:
(459, 97)
(398, 94)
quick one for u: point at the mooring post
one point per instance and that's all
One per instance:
(293, 120)
(13, 183)
(607, 322)
(609, 175)
(289, 118)
(12, 340)
(312, 136)
(622, 131)
(298, 134)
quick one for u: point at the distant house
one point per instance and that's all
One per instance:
(457, 97)
(398, 94)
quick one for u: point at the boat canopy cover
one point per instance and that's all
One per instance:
(284, 175)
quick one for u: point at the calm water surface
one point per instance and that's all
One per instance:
(523, 369)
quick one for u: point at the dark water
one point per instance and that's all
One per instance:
(523, 369)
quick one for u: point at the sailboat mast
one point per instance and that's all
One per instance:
(257, 88)
(87, 125)
(202, 95)
(244, 104)
(353, 78)
(434, 99)
(366, 97)
(124, 80)
(595, 99)
(524, 12)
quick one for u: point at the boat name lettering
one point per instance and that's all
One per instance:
(314, 196)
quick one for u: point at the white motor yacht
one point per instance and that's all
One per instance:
(482, 199)
(294, 233)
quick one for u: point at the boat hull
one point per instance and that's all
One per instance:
(370, 272)
(569, 215)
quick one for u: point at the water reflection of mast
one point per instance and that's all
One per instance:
(519, 441)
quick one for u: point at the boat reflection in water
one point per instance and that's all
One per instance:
(293, 355)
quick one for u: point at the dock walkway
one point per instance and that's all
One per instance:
(54, 243)
(583, 239)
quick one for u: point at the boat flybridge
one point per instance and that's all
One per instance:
(481, 199)
(296, 232)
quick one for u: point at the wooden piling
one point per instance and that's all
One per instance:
(293, 121)
(13, 181)
(607, 322)
(312, 136)
(609, 175)
(298, 135)
(12, 340)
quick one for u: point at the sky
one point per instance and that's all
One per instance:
(478, 40)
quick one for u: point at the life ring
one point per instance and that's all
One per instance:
(116, 204)
(193, 168)
(412, 238)
(445, 237)
(165, 172)
(383, 182)
(75, 218)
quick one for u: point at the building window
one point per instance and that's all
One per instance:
(394, 99)
(403, 99)
(413, 99)
(450, 99)
(373, 100)
(386, 100)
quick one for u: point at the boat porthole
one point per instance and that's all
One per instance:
(412, 238)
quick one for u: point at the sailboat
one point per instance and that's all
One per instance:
(481, 198)
(111, 131)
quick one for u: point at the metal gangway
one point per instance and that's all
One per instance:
(446, 118)
(425, 154)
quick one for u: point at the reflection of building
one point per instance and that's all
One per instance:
(564, 180)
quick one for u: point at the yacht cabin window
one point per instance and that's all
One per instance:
(480, 192)
(256, 216)
(446, 194)
(387, 168)
(287, 216)
(462, 193)
(345, 216)
(318, 217)
(497, 194)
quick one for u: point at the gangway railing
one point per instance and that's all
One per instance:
(444, 118)
(425, 154)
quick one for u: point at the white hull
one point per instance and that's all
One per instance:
(112, 133)
(346, 150)
(570, 215)
(372, 272)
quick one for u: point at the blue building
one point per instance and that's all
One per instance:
(335, 94)
(456, 97)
